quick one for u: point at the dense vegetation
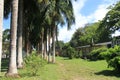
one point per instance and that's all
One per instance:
(88, 35)
(96, 53)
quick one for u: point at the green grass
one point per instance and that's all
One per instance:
(76, 69)
(79, 69)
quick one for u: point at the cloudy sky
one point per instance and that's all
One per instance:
(86, 11)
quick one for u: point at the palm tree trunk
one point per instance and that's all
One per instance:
(1, 25)
(20, 22)
(53, 45)
(42, 45)
(12, 70)
(49, 47)
(45, 48)
(27, 43)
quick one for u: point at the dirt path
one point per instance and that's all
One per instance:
(66, 75)
(63, 71)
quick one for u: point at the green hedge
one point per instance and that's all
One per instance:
(95, 54)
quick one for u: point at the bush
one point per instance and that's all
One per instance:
(34, 63)
(95, 54)
(79, 54)
(112, 57)
(71, 52)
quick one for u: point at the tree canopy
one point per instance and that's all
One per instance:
(111, 21)
(85, 35)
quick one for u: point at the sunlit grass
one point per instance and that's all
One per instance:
(75, 69)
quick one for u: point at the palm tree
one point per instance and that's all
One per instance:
(20, 26)
(34, 16)
(1, 25)
(49, 44)
(53, 43)
(61, 12)
(12, 70)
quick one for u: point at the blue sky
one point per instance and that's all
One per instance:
(86, 11)
(90, 6)
(6, 23)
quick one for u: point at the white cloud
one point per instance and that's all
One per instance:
(81, 20)
(66, 35)
(101, 11)
(99, 14)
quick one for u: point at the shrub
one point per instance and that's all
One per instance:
(112, 57)
(68, 51)
(71, 52)
(95, 54)
(79, 54)
(34, 63)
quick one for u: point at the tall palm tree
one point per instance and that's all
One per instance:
(53, 43)
(1, 25)
(49, 44)
(34, 16)
(61, 12)
(20, 26)
(12, 70)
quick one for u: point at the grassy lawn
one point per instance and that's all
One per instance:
(76, 69)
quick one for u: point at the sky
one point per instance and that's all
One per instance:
(86, 11)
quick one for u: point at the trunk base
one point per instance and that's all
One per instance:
(20, 67)
(12, 75)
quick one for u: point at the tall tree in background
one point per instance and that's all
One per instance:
(61, 12)
(12, 70)
(1, 25)
(111, 21)
(86, 35)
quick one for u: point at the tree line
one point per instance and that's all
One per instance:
(100, 31)
(34, 24)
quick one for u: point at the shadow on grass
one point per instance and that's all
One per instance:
(109, 73)
(66, 59)
(5, 63)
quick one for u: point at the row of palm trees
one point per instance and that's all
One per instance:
(34, 24)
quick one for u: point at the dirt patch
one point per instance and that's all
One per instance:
(79, 78)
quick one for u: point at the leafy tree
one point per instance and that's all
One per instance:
(6, 35)
(74, 42)
(111, 22)
(85, 35)
(58, 46)
(6, 42)
(71, 52)
(90, 33)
